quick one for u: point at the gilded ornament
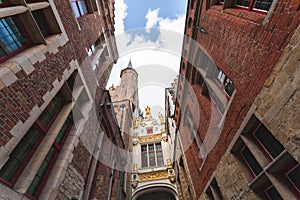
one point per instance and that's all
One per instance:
(147, 110)
(150, 176)
(150, 138)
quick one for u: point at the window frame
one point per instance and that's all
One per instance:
(251, 7)
(23, 31)
(261, 146)
(147, 153)
(78, 8)
(58, 147)
(288, 180)
(252, 173)
(43, 131)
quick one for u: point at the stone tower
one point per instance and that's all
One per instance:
(125, 100)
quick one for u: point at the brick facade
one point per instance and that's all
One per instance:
(246, 46)
(29, 81)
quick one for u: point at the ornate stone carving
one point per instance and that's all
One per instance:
(150, 138)
(150, 176)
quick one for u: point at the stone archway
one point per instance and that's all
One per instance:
(157, 193)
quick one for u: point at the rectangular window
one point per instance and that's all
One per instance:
(42, 22)
(12, 38)
(149, 131)
(272, 193)
(151, 155)
(251, 162)
(268, 141)
(263, 5)
(293, 176)
(23, 152)
(79, 8)
(20, 155)
(144, 156)
(45, 168)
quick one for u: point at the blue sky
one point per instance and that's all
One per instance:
(138, 9)
(150, 33)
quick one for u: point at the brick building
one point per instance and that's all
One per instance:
(56, 57)
(237, 102)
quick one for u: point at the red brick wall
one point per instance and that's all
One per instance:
(19, 98)
(246, 50)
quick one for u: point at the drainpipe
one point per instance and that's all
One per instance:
(111, 180)
(121, 180)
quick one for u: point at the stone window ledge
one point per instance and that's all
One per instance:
(25, 60)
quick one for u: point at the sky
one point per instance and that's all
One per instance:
(150, 34)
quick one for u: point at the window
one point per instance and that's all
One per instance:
(263, 5)
(257, 149)
(24, 28)
(213, 191)
(293, 177)
(268, 141)
(151, 155)
(272, 193)
(224, 82)
(42, 174)
(23, 152)
(12, 39)
(250, 161)
(149, 131)
(79, 7)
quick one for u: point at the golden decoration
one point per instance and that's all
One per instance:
(147, 110)
(150, 138)
(161, 118)
(136, 123)
(135, 167)
(150, 176)
(169, 163)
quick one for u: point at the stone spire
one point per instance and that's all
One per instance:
(129, 64)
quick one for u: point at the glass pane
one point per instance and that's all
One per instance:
(263, 4)
(252, 163)
(144, 159)
(11, 39)
(294, 176)
(82, 7)
(41, 21)
(159, 157)
(158, 146)
(35, 184)
(273, 194)
(268, 141)
(19, 154)
(152, 159)
(50, 111)
(151, 147)
(75, 9)
(144, 148)
(243, 3)
(228, 86)
(64, 129)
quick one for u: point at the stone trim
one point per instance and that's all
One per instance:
(20, 129)
(26, 59)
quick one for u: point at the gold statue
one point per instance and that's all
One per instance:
(161, 118)
(136, 122)
(147, 110)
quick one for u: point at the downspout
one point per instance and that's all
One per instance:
(121, 181)
(111, 180)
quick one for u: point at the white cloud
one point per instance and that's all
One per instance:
(120, 14)
(152, 19)
(162, 55)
